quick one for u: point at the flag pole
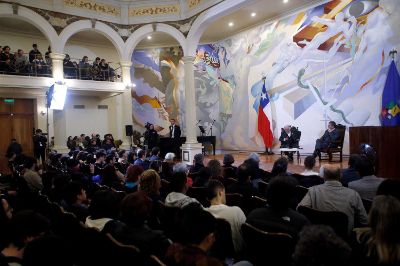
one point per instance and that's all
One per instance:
(393, 53)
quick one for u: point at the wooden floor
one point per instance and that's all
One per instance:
(267, 161)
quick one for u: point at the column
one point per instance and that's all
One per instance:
(57, 65)
(191, 147)
(125, 103)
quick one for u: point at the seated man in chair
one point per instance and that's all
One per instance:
(290, 137)
(326, 141)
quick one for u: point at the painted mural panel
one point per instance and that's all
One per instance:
(326, 63)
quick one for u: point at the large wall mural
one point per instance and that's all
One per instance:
(326, 63)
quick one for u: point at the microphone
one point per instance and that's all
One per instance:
(214, 120)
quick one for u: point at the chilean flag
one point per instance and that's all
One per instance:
(264, 126)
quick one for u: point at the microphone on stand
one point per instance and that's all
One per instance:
(198, 122)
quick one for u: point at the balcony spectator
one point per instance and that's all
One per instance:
(104, 69)
(47, 57)
(34, 53)
(69, 67)
(84, 68)
(40, 65)
(21, 62)
(6, 60)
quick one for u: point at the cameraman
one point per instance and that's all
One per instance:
(150, 136)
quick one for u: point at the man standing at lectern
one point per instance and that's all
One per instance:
(330, 135)
(175, 135)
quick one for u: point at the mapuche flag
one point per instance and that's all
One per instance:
(264, 125)
(390, 114)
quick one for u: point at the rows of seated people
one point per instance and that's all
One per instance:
(19, 64)
(213, 214)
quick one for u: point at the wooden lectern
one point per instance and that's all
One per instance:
(385, 141)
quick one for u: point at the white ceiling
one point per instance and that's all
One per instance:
(265, 10)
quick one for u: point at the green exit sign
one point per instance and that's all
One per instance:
(9, 101)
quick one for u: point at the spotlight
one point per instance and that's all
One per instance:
(253, 14)
(230, 24)
(285, 1)
(149, 37)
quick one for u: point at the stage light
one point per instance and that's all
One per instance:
(56, 95)
(285, 1)
(149, 37)
(230, 24)
(253, 14)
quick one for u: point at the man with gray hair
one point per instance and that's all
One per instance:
(198, 163)
(333, 196)
(180, 168)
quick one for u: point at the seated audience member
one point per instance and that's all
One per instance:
(40, 65)
(122, 163)
(198, 163)
(256, 173)
(47, 57)
(133, 230)
(179, 187)
(319, 245)
(100, 162)
(7, 60)
(369, 183)
(202, 178)
(150, 184)
(389, 187)
(331, 134)
(110, 177)
(332, 196)
(141, 155)
(216, 169)
(199, 228)
(234, 215)
(167, 170)
(229, 161)
(104, 69)
(76, 201)
(309, 163)
(107, 145)
(244, 185)
(351, 173)
(277, 216)
(69, 67)
(24, 227)
(34, 52)
(48, 250)
(132, 178)
(103, 208)
(379, 244)
(155, 154)
(280, 167)
(32, 178)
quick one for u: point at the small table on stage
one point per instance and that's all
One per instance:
(165, 143)
(295, 150)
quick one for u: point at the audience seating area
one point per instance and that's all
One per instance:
(100, 205)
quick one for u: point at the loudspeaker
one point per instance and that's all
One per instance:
(128, 130)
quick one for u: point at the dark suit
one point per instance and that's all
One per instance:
(151, 138)
(175, 135)
(39, 147)
(325, 141)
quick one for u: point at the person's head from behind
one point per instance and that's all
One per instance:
(100, 157)
(141, 153)
(216, 192)
(243, 173)
(110, 159)
(133, 172)
(365, 167)
(319, 245)
(215, 168)
(280, 192)
(228, 159)
(384, 220)
(25, 226)
(74, 193)
(198, 159)
(331, 125)
(229, 172)
(198, 228)
(389, 187)
(155, 151)
(104, 204)
(331, 173)
(169, 157)
(135, 209)
(30, 163)
(309, 162)
(280, 166)
(123, 155)
(150, 183)
(354, 160)
(254, 156)
(35, 46)
(179, 182)
(180, 168)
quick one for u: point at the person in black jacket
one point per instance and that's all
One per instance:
(14, 147)
(289, 138)
(39, 145)
(151, 136)
(330, 135)
(175, 135)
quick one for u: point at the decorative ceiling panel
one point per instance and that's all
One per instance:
(154, 10)
(94, 6)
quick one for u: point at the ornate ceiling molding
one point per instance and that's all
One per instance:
(154, 10)
(94, 6)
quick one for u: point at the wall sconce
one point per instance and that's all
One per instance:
(130, 86)
(42, 112)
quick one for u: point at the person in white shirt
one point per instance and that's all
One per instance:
(309, 163)
(232, 214)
